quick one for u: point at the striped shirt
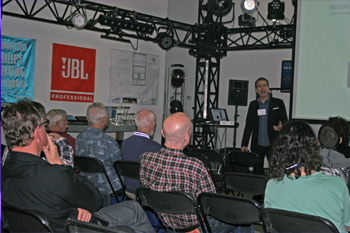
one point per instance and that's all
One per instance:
(171, 170)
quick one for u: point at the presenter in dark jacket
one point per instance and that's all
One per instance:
(265, 118)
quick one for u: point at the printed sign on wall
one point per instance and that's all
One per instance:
(17, 68)
(73, 73)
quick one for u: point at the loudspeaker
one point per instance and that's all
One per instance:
(238, 92)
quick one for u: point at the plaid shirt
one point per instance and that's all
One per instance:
(171, 170)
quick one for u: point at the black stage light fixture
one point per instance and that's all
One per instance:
(275, 10)
(249, 6)
(79, 20)
(125, 24)
(176, 106)
(165, 40)
(220, 7)
(246, 20)
(177, 76)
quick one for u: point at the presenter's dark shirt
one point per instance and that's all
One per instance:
(55, 191)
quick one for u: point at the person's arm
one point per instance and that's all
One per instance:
(51, 152)
(282, 116)
(66, 151)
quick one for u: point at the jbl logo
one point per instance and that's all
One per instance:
(73, 68)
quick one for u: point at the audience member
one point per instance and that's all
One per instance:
(93, 142)
(342, 126)
(59, 124)
(296, 183)
(48, 187)
(334, 163)
(264, 119)
(140, 142)
(171, 170)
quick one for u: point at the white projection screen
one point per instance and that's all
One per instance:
(321, 84)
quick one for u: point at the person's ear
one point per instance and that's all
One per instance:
(340, 140)
(162, 133)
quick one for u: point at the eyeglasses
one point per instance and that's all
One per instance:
(45, 123)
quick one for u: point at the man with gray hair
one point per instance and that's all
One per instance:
(140, 142)
(93, 142)
(59, 124)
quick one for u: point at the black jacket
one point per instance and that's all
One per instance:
(277, 112)
(56, 191)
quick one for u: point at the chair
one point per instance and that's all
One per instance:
(16, 220)
(217, 178)
(241, 161)
(175, 202)
(73, 225)
(127, 169)
(229, 209)
(245, 183)
(214, 158)
(93, 165)
(275, 220)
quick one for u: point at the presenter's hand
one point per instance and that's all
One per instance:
(51, 152)
(84, 215)
(244, 149)
(278, 127)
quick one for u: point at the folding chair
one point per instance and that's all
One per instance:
(73, 225)
(127, 169)
(229, 209)
(245, 183)
(214, 158)
(16, 220)
(93, 165)
(276, 220)
(175, 202)
(241, 161)
(217, 178)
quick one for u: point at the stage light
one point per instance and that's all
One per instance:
(79, 21)
(249, 6)
(177, 76)
(220, 7)
(246, 20)
(176, 106)
(125, 24)
(275, 10)
(165, 40)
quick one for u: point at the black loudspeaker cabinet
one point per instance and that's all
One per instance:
(238, 92)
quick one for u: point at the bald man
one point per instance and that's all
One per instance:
(171, 170)
(140, 142)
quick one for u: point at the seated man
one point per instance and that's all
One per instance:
(139, 143)
(161, 171)
(334, 163)
(296, 183)
(59, 124)
(342, 126)
(48, 186)
(93, 142)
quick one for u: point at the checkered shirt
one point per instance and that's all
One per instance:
(171, 170)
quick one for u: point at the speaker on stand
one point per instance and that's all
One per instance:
(237, 96)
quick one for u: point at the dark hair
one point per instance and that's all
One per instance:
(295, 147)
(262, 79)
(19, 122)
(328, 137)
(342, 126)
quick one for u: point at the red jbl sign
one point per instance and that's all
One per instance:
(73, 70)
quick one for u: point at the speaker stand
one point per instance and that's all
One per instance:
(235, 129)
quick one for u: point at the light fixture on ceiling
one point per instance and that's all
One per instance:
(79, 20)
(275, 10)
(220, 7)
(249, 6)
(166, 40)
(177, 75)
(246, 20)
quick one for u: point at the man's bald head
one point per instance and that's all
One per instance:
(177, 130)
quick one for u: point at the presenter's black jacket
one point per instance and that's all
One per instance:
(56, 191)
(277, 112)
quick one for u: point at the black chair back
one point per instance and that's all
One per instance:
(127, 169)
(175, 202)
(93, 165)
(214, 158)
(241, 161)
(229, 209)
(245, 183)
(16, 220)
(276, 220)
(73, 225)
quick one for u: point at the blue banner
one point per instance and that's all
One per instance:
(17, 68)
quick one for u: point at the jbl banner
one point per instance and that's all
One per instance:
(73, 73)
(17, 68)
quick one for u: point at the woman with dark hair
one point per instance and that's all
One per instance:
(342, 126)
(296, 183)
